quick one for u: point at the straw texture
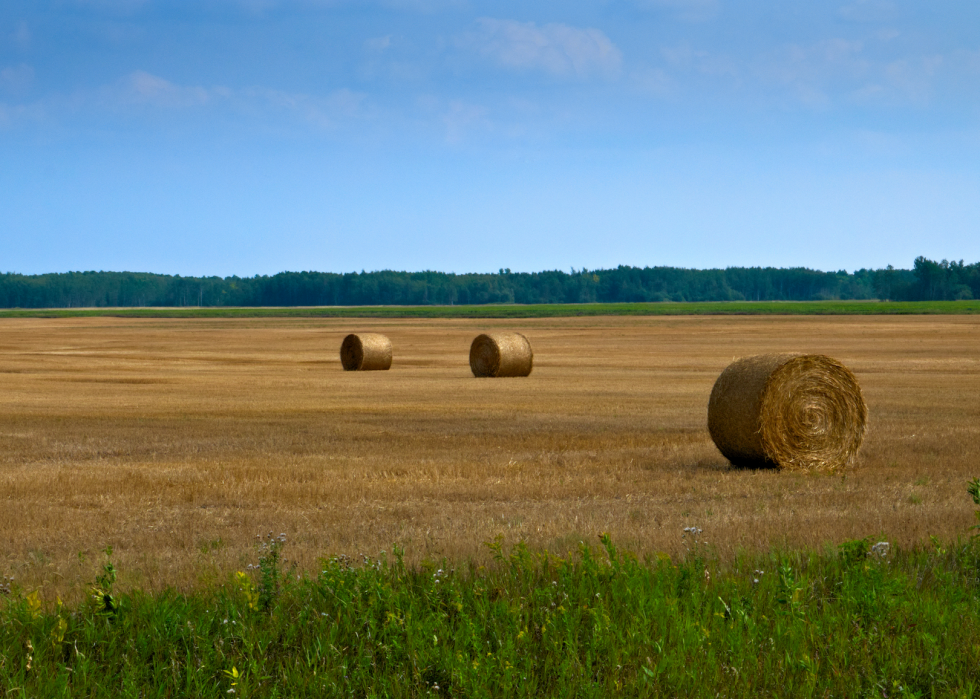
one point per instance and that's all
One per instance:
(800, 412)
(366, 352)
(501, 354)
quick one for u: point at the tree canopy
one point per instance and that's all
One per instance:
(926, 281)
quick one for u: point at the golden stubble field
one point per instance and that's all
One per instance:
(178, 441)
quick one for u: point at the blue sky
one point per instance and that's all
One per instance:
(256, 136)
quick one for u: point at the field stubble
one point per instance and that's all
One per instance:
(178, 441)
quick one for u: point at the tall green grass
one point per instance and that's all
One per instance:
(858, 620)
(527, 311)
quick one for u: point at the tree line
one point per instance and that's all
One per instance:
(926, 281)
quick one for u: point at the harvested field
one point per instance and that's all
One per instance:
(178, 441)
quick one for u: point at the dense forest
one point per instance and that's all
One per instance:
(926, 281)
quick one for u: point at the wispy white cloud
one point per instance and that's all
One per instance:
(424, 6)
(842, 70)
(687, 10)
(815, 75)
(145, 94)
(462, 117)
(683, 57)
(21, 36)
(258, 7)
(557, 49)
(816, 61)
(111, 6)
(14, 114)
(829, 73)
(378, 44)
(969, 61)
(143, 88)
(16, 77)
(914, 79)
(321, 111)
(391, 57)
(869, 11)
(653, 81)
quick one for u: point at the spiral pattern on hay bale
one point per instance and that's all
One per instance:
(800, 412)
(501, 354)
(365, 352)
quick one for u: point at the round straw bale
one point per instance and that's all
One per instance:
(501, 354)
(365, 352)
(801, 412)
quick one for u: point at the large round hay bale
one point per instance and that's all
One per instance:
(802, 412)
(365, 352)
(501, 354)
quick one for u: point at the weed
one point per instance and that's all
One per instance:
(270, 573)
(974, 490)
(853, 551)
(102, 598)
(601, 623)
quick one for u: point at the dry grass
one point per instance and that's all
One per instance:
(797, 412)
(177, 441)
(501, 355)
(365, 352)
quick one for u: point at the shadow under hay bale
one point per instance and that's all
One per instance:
(800, 412)
(366, 352)
(501, 354)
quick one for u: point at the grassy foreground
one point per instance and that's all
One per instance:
(525, 311)
(860, 620)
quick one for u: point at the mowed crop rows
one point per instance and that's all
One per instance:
(178, 441)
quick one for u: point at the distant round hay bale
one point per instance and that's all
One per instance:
(801, 412)
(501, 354)
(365, 352)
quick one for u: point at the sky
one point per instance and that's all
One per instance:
(243, 137)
